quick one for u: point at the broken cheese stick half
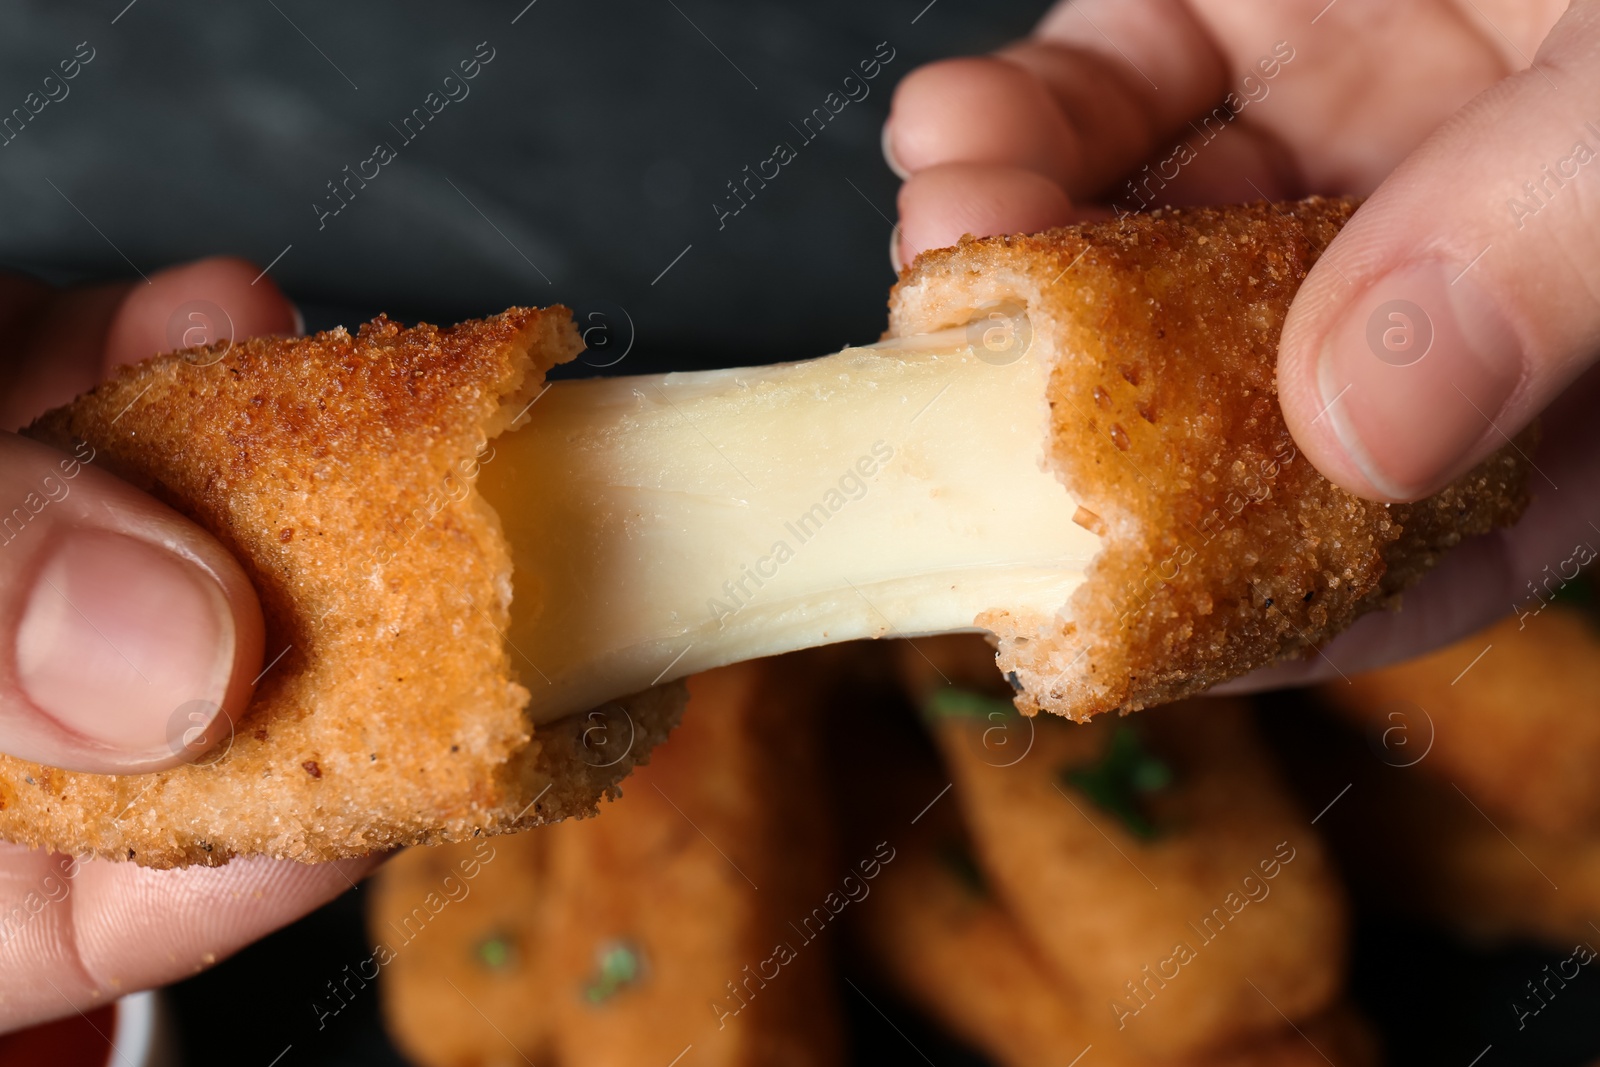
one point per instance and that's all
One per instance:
(430, 690)
(1070, 440)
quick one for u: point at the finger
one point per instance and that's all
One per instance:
(76, 934)
(979, 109)
(1077, 110)
(1229, 164)
(211, 301)
(939, 204)
(55, 344)
(1128, 77)
(126, 630)
(60, 343)
(1517, 570)
(1465, 294)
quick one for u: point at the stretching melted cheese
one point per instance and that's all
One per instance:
(665, 525)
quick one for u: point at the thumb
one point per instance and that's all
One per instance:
(1465, 294)
(129, 637)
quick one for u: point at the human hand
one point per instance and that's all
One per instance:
(134, 640)
(1430, 108)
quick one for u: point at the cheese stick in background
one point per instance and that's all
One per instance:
(1510, 715)
(1468, 805)
(935, 934)
(1158, 863)
(1071, 440)
(1417, 847)
(665, 924)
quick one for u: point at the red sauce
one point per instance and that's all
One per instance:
(76, 1041)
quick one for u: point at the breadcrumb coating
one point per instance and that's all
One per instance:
(339, 470)
(1226, 550)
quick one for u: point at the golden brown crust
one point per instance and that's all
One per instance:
(1226, 549)
(668, 874)
(338, 469)
(954, 950)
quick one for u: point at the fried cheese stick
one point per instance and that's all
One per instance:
(1071, 440)
(624, 939)
(1160, 865)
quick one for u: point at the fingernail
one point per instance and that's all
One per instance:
(894, 250)
(887, 144)
(126, 645)
(1413, 375)
(300, 318)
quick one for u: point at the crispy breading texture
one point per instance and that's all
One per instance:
(339, 470)
(1225, 549)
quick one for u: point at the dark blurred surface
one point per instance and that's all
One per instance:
(583, 166)
(584, 158)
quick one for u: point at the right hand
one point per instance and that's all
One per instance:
(1427, 107)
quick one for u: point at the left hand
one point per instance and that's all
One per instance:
(76, 934)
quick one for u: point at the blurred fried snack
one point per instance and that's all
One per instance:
(1158, 864)
(1426, 847)
(1421, 848)
(339, 470)
(934, 932)
(1512, 715)
(624, 939)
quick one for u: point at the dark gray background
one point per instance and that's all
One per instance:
(596, 142)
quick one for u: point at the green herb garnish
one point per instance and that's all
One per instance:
(496, 952)
(1579, 594)
(958, 860)
(1121, 781)
(952, 702)
(617, 966)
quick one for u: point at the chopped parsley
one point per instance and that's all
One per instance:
(617, 966)
(958, 860)
(952, 702)
(1579, 594)
(496, 952)
(1122, 779)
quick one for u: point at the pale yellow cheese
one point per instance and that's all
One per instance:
(665, 525)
